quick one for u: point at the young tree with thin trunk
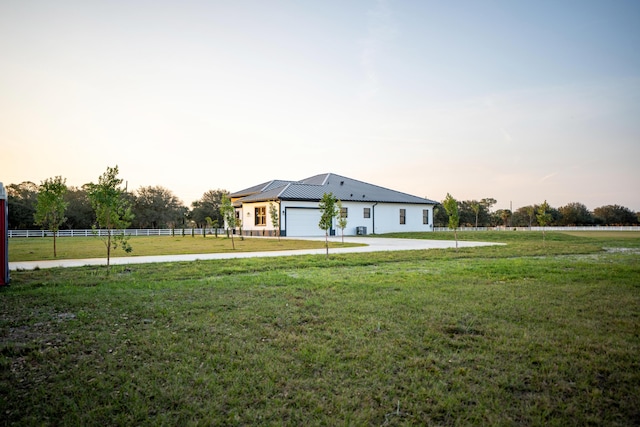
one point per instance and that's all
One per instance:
(544, 217)
(475, 207)
(229, 214)
(342, 218)
(212, 224)
(275, 218)
(451, 206)
(328, 212)
(50, 206)
(113, 211)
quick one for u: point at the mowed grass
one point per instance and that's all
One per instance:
(39, 248)
(523, 334)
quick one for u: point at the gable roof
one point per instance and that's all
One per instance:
(313, 188)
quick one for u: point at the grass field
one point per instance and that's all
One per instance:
(36, 249)
(523, 334)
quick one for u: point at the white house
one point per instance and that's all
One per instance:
(369, 209)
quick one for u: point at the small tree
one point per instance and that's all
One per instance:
(544, 217)
(50, 206)
(112, 209)
(239, 225)
(229, 215)
(342, 218)
(475, 207)
(505, 215)
(328, 213)
(451, 206)
(212, 224)
(530, 213)
(275, 218)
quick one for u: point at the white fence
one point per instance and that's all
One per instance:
(212, 231)
(580, 228)
(128, 232)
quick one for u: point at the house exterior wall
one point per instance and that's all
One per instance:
(383, 218)
(387, 218)
(248, 215)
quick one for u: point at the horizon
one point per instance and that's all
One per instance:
(496, 207)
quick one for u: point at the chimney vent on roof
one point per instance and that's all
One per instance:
(341, 182)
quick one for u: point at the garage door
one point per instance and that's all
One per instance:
(303, 222)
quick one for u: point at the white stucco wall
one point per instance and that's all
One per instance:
(248, 216)
(385, 217)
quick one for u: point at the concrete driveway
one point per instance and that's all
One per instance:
(373, 244)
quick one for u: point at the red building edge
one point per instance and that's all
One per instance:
(4, 237)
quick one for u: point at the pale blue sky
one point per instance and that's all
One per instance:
(518, 100)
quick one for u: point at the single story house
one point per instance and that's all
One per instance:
(369, 209)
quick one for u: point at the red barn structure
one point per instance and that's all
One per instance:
(4, 237)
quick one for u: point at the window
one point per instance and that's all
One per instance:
(344, 212)
(367, 213)
(403, 216)
(425, 216)
(261, 215)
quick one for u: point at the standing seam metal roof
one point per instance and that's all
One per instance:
(313, 188)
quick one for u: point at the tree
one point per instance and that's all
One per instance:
(466, 213)
(440, 217)
(50, 206)
(80, 214)
(112, 210)
(451, 206)
(524, 216)
(229, 215)
(328, 211)
(213, 224)
(275, 218)
(342, 218)
(474, 213)
(209, 205)
(157, 207)
(488, 202)
(544, 217)
(615, 215)
(475, 207)
(504, 215)
(575, 214)
(21, 200)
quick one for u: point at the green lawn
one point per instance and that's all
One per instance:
(38, 248)
(519, 335)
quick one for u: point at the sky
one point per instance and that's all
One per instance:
(521, 101)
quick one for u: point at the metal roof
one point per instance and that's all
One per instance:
(313, 188)
(265, 186)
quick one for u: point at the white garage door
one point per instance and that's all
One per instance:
(303, 222)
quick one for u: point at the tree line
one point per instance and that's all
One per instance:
(478, 213)
(151, 207)
(159, 207)
(105, 205)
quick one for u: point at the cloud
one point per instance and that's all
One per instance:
(546, 177)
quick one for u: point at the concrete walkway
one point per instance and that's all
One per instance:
(373, 244)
